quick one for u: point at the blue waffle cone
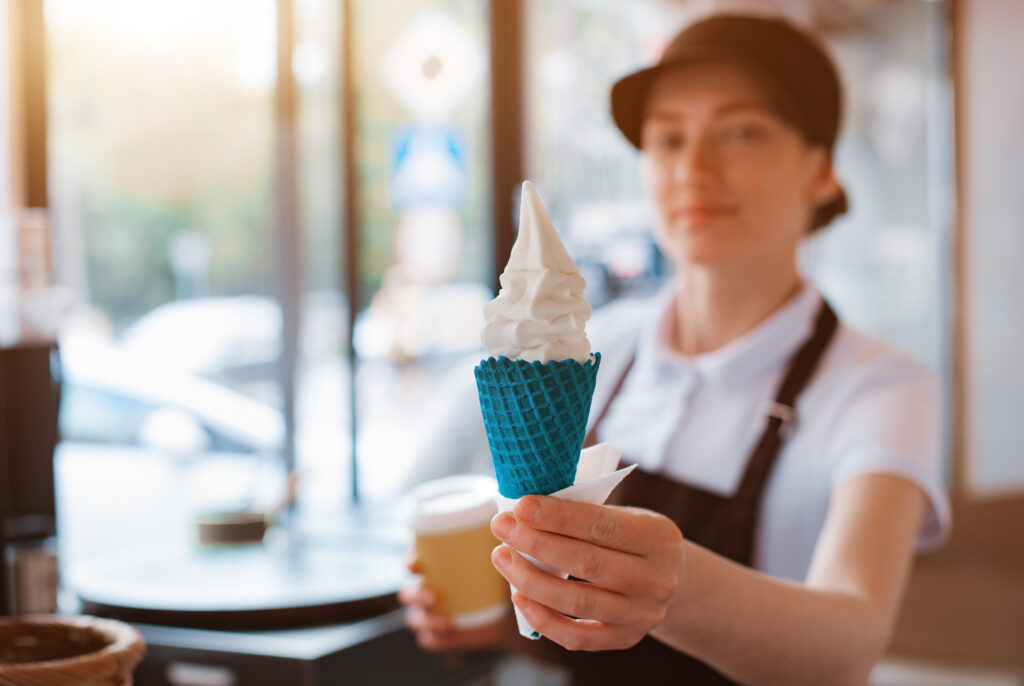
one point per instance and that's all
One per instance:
(535, 415)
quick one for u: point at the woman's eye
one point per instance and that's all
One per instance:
(743, 133)
(669, 141)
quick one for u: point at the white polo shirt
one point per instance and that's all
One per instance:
(868, 408)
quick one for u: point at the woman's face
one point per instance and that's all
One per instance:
(731, 182)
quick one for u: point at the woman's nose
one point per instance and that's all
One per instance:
(695, 161)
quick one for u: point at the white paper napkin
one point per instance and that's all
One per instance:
(595, 481)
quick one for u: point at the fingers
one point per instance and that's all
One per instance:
(572, 634)
(417, 595)
(626, 529)
(419, 619)
(412, 562)
(610, 569)
(431, 641)
(438, 634)
(438, 640)
(433, 632)
(452, 640)
(633, 579)
(574, 598)
(420, 615)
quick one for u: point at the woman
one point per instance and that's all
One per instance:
(788, 464)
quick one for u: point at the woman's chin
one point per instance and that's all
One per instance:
(702, 253)
(706, 244)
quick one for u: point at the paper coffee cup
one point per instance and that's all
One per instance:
(451, 520)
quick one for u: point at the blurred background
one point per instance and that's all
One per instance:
(259, 235)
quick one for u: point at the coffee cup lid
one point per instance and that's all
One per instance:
(453, 502)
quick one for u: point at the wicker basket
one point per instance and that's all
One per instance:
(45, 650)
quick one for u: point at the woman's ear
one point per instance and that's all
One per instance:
(824, 186)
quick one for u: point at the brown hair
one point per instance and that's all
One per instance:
(825, 213)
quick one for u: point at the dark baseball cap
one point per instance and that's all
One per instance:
(791, 67)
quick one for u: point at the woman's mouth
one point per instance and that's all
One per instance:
(699, 214)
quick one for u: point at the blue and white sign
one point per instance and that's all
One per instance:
(428, 168)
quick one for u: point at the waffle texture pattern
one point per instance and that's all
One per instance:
(535, 415)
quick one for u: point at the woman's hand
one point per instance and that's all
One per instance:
(633, 559)
(436, 633)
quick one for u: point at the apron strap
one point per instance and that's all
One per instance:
(780, 412)
(591, 437)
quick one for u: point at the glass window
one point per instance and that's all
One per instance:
(885, 265)
(322, 378)
(160, 161)
(423, 162)
(162, 164)
(88, 413)
(588, 174)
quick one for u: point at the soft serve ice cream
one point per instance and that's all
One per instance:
(540, 312)
(536, 386)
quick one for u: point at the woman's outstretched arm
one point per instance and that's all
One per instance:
(752, 627)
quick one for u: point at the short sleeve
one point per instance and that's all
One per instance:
(891, 424)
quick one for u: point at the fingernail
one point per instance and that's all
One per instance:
(527, 510)
(501, 558)
(503, 526)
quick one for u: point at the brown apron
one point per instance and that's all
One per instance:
(723, 524)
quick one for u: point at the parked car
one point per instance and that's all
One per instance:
(234, 340)
(114, 396)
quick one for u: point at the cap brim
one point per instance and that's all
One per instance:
(629, 94)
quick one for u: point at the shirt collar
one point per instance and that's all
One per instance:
(764, 347)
